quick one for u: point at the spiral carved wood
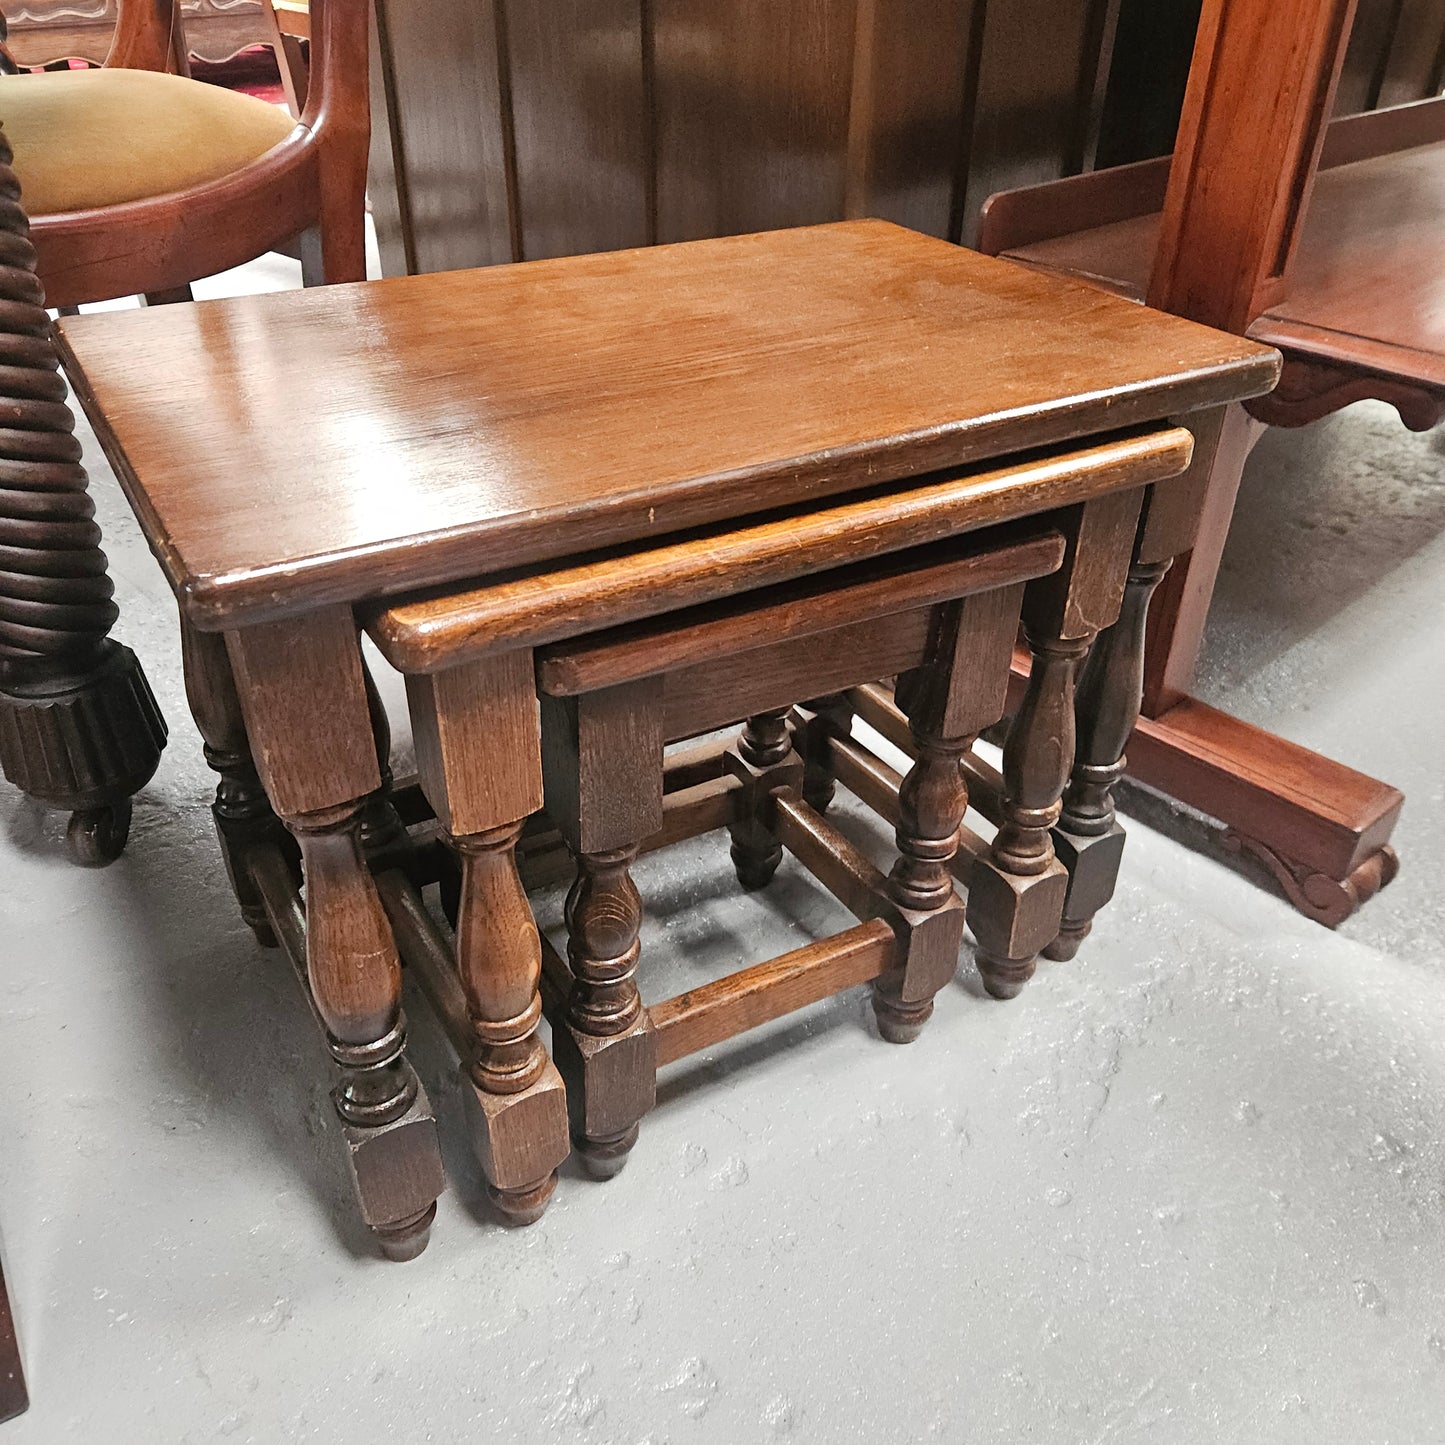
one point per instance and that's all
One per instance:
(79, 727)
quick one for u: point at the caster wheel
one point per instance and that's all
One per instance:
(96, 836)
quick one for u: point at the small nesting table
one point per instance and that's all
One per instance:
(661, 491)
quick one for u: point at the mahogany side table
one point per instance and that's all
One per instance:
(603, 440)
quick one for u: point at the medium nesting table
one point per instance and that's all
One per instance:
(593, 506)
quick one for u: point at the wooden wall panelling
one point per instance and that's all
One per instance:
(1152, 47)
(580, 117)
(1368, 53)
(1034, 99)
(1417, 49)
(751, 113)
(447, 134)
(914, 65)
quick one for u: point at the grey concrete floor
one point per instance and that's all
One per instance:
(1188, 1188)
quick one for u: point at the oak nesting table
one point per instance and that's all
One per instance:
(594, 506)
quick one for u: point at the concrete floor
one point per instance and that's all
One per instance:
(1187, 1188)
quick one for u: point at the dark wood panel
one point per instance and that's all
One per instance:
(1412, 68)
(1149, 70)
(1035, 95)
(1366, 56)
(447, 133)
(913, 72)
(752, 99)
(580, 124)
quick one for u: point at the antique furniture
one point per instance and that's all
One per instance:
(532, 475)
(138, 181)
(1345, 277)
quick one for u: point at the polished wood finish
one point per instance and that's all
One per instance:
(319, 780)
(945, 357)
(497, 452)
(79, 727)
(603, 755)
(314, 178)
(45, 31)
(444, 631)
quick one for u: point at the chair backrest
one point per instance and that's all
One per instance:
(148, 36)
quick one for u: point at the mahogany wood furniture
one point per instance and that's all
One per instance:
(79, 728)
(307, 181)
(1344, 275)
(613, 478)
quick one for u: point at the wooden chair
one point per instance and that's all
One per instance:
(1344, 275)
(139, 181)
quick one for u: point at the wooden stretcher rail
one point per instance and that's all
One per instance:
(428, 634)
(705, 1016)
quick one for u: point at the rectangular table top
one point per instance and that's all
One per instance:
(352, 442)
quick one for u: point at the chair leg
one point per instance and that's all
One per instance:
(79, 727)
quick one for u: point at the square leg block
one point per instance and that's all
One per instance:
(928, 946)
(611, 1082)
(396, 1167)
(1093, 865)
(520, 1139)
(1015, 916)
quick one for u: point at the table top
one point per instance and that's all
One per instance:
(1368, 284)
(284, 452)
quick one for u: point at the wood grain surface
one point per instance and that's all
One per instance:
(359, 441)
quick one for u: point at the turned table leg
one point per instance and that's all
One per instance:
(242, 812)
(763, 759)
(79, 728)
(1016, 893)
(821, 720)
(948, 702)
(478, 752)
(1088, 840)
(304, 701)
(602, 759)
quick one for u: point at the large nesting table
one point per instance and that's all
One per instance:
(666, 490)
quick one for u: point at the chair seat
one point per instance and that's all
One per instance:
(89, 138)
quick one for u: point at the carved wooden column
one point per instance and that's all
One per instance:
(304, 699)
(820, 720)
(79, 728)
